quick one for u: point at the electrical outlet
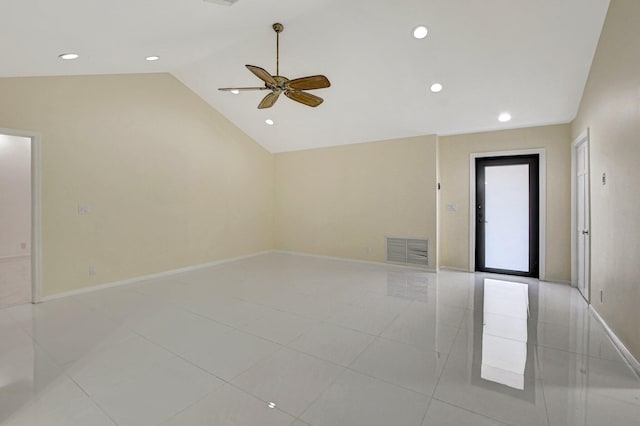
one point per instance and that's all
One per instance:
(92, 270)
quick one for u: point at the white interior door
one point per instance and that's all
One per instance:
(582, 217)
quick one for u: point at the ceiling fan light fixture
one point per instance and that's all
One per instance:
(420, 32)
(504, 117)
(436, 87)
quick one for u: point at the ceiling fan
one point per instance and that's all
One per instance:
(277, 84)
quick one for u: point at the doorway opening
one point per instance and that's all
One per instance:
(19, 218)
(506, 217)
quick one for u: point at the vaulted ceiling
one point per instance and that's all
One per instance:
(528, 58)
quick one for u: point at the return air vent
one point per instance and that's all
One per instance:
(222, 2)
(409, 251)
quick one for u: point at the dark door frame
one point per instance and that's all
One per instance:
(532, 160)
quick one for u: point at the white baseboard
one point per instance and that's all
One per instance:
(454, 268)
(626, 354)
(149, 277)
(558, 282)
(349, 260)
(14, 257)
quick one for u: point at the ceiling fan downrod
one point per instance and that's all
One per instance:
(278, 28)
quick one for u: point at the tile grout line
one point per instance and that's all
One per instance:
(444, 365)
(544, 397)
(471, 411)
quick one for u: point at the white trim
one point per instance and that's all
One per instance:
(17, 256)
(561, 282)
(626, 354)
(454, 268)
(150, 276)
(542, 208)
(584, 137)
(346, 259)
(36, 220)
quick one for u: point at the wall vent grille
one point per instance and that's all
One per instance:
(409, 251)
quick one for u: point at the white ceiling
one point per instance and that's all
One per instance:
(530, 58)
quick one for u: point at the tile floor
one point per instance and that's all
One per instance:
(329, 343)
(15, 281)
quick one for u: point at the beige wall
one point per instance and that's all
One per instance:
(340, 201)
(169, 181)
(610, 108)
(15, 196)
(454, 153)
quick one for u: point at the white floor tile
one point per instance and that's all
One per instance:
(358, 400)
(290, 379)
(362, 319)
(443, 414)
(335, 343)
(414, 328)
(231, 354)
(462, 384)
(332, 343)
(237, 314)
(229, 406)
(179, 330)
(401, 364)
(15, 281)
(60, 402)
(110, 365)
(154, 395)
(83, 412)
(280, 327)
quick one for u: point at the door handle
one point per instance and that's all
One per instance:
(585, 232)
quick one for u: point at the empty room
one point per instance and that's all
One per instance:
(319, 213)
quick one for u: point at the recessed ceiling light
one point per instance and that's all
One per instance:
(152, 58)
(68, 56)
(504, 117)
(436, 87)
(420, 32)
(235, 91)
(269, 121)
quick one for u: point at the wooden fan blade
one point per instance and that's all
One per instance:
(242, 89)
(269, 100)
(304, 98)
(262, 74)
(308, 83)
